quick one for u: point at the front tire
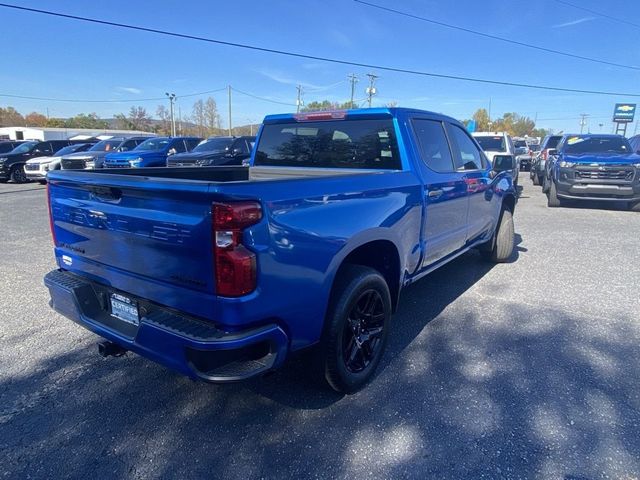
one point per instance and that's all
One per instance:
(634, 206)
(356, 328)
(553, 200)
(536, 179)
(17, 174)
(500, 247)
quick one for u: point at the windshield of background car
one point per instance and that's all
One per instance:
(331, 144)
(214, 145)
(67, 150)
(578, 145)
(154, 144)
(519, 143)
(24, 147)
(534, 148)
(491, 144)
(106, 146)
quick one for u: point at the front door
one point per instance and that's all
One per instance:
(470, 161)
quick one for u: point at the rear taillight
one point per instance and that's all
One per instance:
(235, 265)
(544, 155)
(51, 224)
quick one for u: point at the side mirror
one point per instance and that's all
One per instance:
(236, 151)
(503, 163)
(172, 151)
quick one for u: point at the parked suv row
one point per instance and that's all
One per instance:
(12, 163)
(94, 157)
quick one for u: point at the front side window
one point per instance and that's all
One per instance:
(364, 144)
(468, 157)
(433, 143)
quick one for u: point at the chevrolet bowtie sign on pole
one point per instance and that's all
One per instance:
(623, 114)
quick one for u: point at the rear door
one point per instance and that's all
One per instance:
(445, 192)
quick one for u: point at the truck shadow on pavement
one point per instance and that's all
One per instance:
(470, 387)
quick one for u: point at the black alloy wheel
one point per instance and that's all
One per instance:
(363, 330)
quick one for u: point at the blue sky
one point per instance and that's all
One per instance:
(54, 57)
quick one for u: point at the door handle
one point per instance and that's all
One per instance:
(435, 193)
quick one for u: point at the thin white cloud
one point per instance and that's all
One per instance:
(574, 22)
(130, 90)
(286, 80)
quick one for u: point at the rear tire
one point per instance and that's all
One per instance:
(500, 247)
(634, 206)
(42, 182)
(553, 200)
(17, 174)
(356, 328)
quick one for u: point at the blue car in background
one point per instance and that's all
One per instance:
(151, 153)
(593, 167)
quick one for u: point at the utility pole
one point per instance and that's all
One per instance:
(180, 120)
(489, 112)
(583, 121)
(299, 102)
(230, 125)
(371, 89)
(172, 98)
(353, 79)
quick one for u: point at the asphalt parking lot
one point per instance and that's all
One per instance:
(523, 370)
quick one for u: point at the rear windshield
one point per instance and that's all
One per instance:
(577, 145)
(552, 142)
(491, 144)
(331, 144)
(519, 143)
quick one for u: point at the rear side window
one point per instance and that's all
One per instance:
(433, 143)
(331, 144)
(468, 156)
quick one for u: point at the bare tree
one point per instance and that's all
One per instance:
(163, 114)
(211, 115)
(199, 117)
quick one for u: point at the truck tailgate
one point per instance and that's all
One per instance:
(155, 232)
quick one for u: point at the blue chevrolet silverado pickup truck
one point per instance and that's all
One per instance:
(222, 272)
(593, 167)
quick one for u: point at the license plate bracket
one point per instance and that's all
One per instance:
(125, 309)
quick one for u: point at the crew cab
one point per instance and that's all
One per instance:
(12, 163)
(153, 152)
(216, 151)
(593, 167)
(37, 168)
(221, 273)
(498, 146)
(94, 157)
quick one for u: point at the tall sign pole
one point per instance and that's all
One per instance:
(623, 114)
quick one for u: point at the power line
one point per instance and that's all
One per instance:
(321, 59)
(600, 14)
(495, 37)
(262, 98)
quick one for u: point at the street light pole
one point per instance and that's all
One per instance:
(172, 98)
